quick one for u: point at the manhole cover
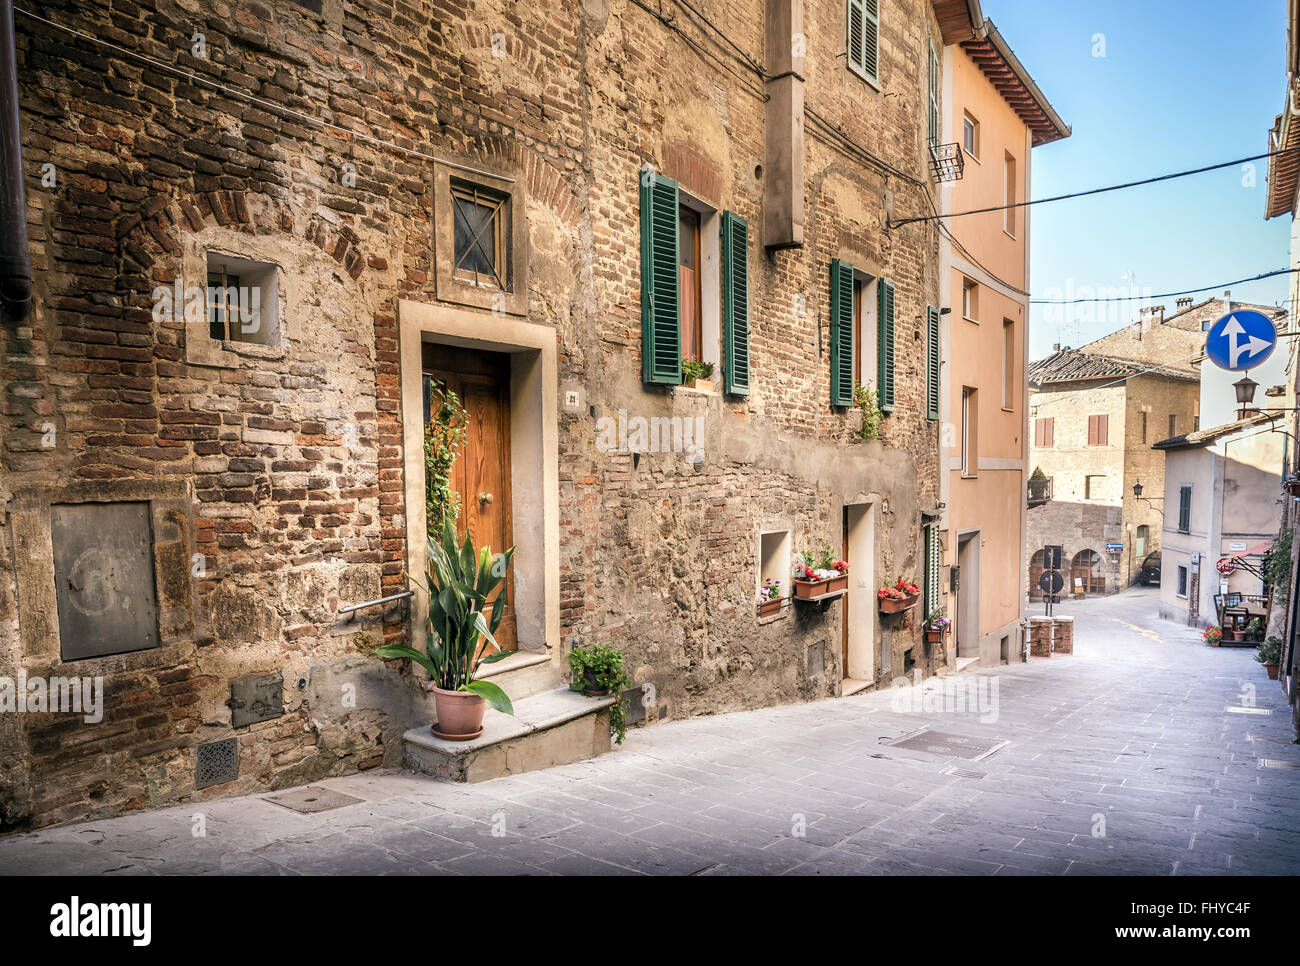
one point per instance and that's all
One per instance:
(310, 799)
(949, 745)
(964, 772)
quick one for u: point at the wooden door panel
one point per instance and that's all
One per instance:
(481, 475)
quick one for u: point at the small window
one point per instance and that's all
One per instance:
(1094, 487)
(1140, 541)
(774, 553)
(480, 233)
(1010, 197)
(969, 432)
(1142, 424)
(1182, 581)
(1098, 429)
(688, 258)
(1045, 432)
(970, 135)
(243, 300)
(862, 38)
(1173, 424)
(1185, 508)
(969, 300)
(1196, 423)
(1009, 369)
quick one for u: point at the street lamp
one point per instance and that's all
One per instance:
(1245, 388)
(1137, 493)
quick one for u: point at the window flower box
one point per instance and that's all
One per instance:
(900, 596)
(819, 575)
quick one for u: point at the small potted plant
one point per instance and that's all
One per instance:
(459, 585)
(897, 597)
(598, 672)
(936, 626)
(1213, 635)
(769, 598)
(1269, 654)
(1255, 629)
(697, 375)
(819, 574)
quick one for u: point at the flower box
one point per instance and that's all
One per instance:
(896, 605)
(935, 637)
(812, 589)
(766, 608)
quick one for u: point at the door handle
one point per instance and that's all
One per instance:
(484, 498)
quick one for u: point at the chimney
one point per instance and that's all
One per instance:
(1151, 314)
(1183, 303)
(1227, 301)
(1056, 347)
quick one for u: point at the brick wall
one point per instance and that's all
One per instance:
(293, 459)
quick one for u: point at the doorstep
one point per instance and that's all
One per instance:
(852, 686)
(964, 662)
(555, 727)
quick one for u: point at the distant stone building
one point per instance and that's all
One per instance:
(1095, 414)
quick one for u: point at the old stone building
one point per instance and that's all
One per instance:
(546, 206)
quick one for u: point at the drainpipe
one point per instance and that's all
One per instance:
(15, 260)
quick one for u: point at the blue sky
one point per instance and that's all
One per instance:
(1166, 96)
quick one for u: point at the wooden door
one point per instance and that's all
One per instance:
(481, 475)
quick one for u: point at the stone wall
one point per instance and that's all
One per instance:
(286, 461)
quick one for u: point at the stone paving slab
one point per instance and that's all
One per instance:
(1121, 759)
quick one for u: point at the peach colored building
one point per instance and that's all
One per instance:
(993, 109)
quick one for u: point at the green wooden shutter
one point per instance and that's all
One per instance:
(855, 21)
(735, 304)
(862, 37)
(841, 333)
(933, 561)
(933, 118)
(661, 343)
(931, 362)
(885, 345)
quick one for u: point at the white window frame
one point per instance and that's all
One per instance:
(973, 150)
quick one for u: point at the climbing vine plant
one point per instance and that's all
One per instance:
(444, 435)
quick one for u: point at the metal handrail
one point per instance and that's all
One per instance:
(351, 609)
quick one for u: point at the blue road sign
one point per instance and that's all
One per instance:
(1114, 546)
(1241, 341)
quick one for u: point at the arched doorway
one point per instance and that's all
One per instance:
(1086, 574)
(1035, 575)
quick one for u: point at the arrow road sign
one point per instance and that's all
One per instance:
(1241, 341)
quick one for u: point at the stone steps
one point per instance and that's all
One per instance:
(522, 674)
(553, 727)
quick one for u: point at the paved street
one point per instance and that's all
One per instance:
(1121, 759)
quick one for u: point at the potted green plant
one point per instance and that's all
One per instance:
(936, 626)
(1269, 654)
(818, 574)
(1213, 635)
(899, 596)
(697, 375)
(598, 671)
(769, 598)
(459, 586)
(1255, 629)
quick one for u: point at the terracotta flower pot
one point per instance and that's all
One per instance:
(896, 605)
(812, 589)
(1272, 670)
(460, 714)
(935, 637)
(768, 607)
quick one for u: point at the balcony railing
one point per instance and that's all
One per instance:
(1040, 492)
(947, 162)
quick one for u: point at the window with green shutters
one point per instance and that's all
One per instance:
(933, 560)
(841, 333)
(862, 40)
(933, 116)
(885, 345)
(932, 369)
(735, 304)
(661, 348)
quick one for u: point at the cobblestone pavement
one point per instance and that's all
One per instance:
(1123, 758)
